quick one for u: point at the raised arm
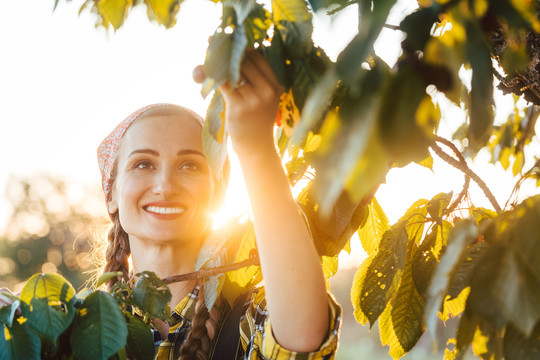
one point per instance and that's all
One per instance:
(294, 282)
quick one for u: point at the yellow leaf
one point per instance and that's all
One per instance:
(454, 306)
(52, 286)
(456, 36)
(356, 289)
(518, 163)
(428, 116)
(288, 114)
(164, 11)
(114, 11)
(527, 9)
(290, 10)
(505, 158)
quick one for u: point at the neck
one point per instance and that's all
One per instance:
(166, 260)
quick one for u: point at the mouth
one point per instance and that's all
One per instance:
(165, 210)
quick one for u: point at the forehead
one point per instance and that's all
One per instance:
(163, 131)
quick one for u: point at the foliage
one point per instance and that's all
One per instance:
(51, 321)
(344, 124)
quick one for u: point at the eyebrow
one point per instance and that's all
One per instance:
(155, 153)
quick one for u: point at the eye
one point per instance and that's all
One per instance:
(189, 165)
(143, 164)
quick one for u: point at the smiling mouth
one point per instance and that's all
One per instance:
(165, 210)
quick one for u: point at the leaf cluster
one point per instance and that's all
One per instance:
(51, 321)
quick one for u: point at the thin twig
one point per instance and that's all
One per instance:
(212, 271)
(341, 7)
(392, 27)
(464, 168)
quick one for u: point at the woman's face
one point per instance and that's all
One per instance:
(163, 187)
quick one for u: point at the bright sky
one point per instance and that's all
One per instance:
(64, 85)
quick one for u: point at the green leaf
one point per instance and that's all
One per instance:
(461, 278)
(108, 276)
(315, 107)
(296, 37)
(164, 11)
(275, 54)
(151, 295)
(114, 11)
(383, 274)
(465, 331)
(256, 24)
(488, 341)
(401, 324)
(483, 297)
(519, 294)
(438, 204)
(293, 21)
(417, 26)
(140, 340)
(481, 96)
(424, 262)
(7, 313)
(373, 228)
(214, 138)
(224, 56)
(331, 231)
(19, 342)
(99, 329)
(296, 169)
(242, 8)
(349, 62)
(460, 237)
(519, 347)
(400, 131)
(416, 217)
(239, 281)
(527, 228)
(351, 155)
(48, 319)
(307, 71)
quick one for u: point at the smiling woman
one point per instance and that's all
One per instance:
(160, 193)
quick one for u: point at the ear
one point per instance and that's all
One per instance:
(112, 205)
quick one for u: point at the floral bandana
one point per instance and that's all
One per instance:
(109, 146)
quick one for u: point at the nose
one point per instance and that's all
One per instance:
(166, 183)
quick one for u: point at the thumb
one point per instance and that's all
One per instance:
(199, 75)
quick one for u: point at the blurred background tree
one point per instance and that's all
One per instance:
(53, 227)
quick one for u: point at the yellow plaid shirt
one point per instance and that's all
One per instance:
(256, 338)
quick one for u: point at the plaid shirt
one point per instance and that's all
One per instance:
(256, 338)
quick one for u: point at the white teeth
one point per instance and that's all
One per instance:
(165, 210)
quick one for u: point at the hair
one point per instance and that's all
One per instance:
(204, 324)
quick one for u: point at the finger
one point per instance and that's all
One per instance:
(262, 64)
(199, 75)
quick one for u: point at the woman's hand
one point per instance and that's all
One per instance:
(252, 105)
(7, 297)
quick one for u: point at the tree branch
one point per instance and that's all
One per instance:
(462, 165)
(212, 271)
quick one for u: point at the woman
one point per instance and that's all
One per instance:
(160, 190)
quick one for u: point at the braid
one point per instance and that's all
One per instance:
(117, 253)
(200, 338)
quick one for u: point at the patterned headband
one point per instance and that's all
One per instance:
(109, 146)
